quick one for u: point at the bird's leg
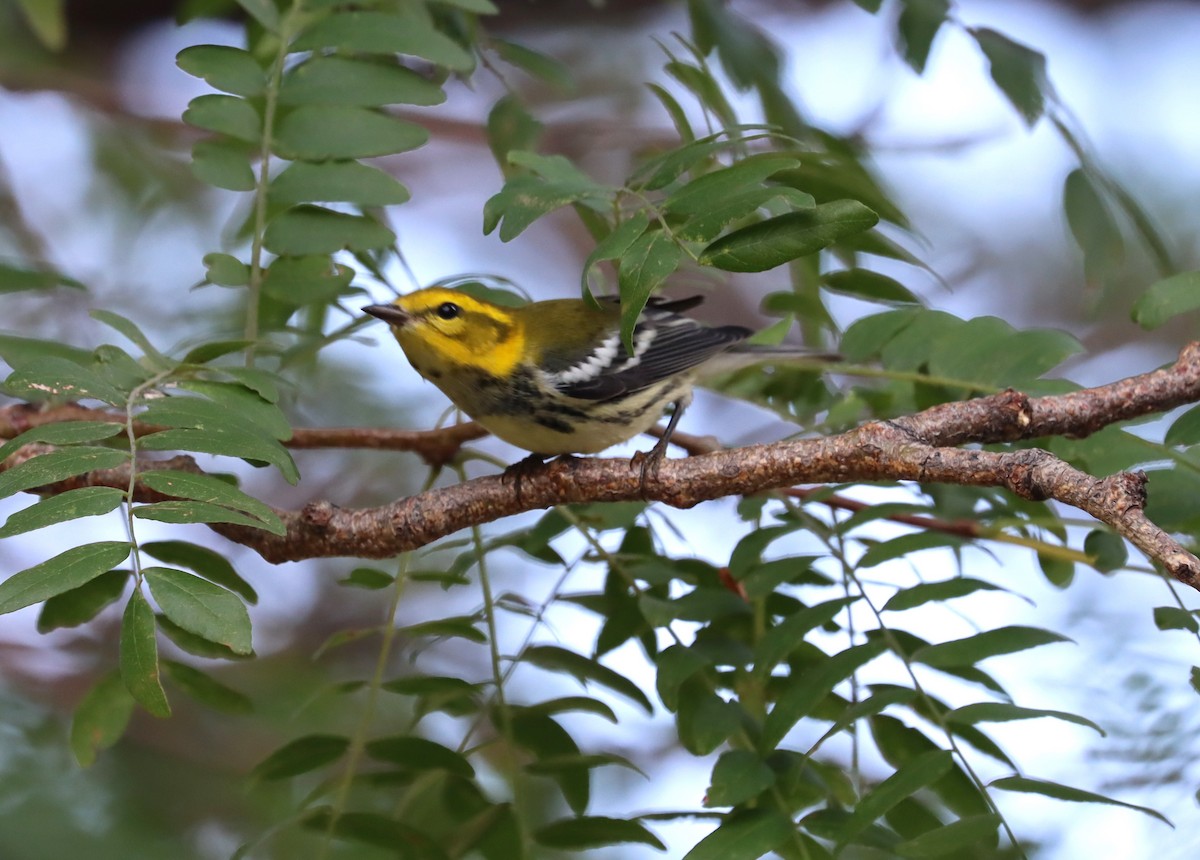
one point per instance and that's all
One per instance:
(520, 470)
(651, 460)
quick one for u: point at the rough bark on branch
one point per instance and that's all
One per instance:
(921, 447)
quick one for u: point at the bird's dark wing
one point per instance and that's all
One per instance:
(664, 344)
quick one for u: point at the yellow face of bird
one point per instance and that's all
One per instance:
(443, 329)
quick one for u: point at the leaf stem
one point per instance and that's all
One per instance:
(270, 104)
(359, 740)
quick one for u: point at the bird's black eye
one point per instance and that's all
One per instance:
(448, 310)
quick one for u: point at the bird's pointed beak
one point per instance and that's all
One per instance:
(390, 314)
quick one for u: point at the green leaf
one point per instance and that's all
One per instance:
(63, 433)
(649, 261)
(15, 279)
(1065, 792)
(558, 765)
(320, 132)
(704, 192)
(869, 707)
(309, 280)
(535, 63)
(48, 21)
(188, 513)
(252, 384)
(384, 33)
(65, 571)
(1107, 550)
(1092, 224)
(214, 349)
(991, 352)
(744, 836)
(262, 11)
(438, 693)
(226, 270)
(205, 689)
(58, 465)
(704, 720)
(917, 27)
(909, 778)
(707, 225)
(784, 238)
(676, 665)
(31, 352)
(675, 110)
(547, 740)
(245, 402)
(1167, 299)
(592, 831)
(929, 592)
(200, 607)
(460, 626)
(616, 243)
(737, 777)
(1184, 431)
(120, 368)
(210, 564)
(585, 704)
(378, 830)
(1172, 502)
(802, 694)
(231, 70)
(953, 837)
(334, 181)
(134, 334)
(139, 656)
(1018, 70)
(301, 756)
(413, 753)
(312, 230)
(225, 164)
(997, 712)
(101, 718)
(700, 604)
(233, 443)
(479, 7)
(368, 578)
(1175, 618)
(781, 640)
(706, 89)
(335, 80)
(585, 670)
(228, 115)
(869, 286)
(197, 645)
(206, 488)
(510, 127)
(52, 376)
(525, 198)
(991, 643)
(82, 604)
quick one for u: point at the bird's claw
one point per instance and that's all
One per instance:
(520, 470)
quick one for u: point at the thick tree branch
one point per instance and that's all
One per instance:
(920, 447)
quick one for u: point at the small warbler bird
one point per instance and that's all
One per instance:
(553, 377)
